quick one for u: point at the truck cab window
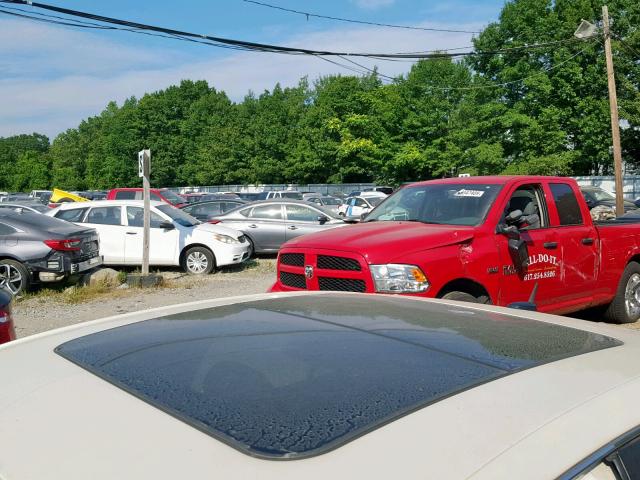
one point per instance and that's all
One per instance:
(567, 204)
(529, 200)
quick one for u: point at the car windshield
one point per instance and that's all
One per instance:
(599, 195)
(178, 216)
(172, 197)
(331, 201)
(449, 204)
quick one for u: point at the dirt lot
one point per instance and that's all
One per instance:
(41, 311)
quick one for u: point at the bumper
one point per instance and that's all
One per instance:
(58, 265)
(232, 254)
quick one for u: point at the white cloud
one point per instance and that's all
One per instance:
(90, 71)
(373, 4)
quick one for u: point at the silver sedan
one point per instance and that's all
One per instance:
(270, 223)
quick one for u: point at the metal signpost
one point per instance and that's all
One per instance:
(144, 168)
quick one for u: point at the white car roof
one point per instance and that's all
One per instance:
(58, 421)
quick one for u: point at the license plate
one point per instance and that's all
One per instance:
(86, 265)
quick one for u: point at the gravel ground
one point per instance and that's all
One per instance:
(39, 313)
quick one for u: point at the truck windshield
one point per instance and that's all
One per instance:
(449, 204)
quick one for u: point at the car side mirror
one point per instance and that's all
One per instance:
(167, 226)
(322, 219)
(509, 230)
(590, 203)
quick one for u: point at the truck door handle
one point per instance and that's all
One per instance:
(132, 233)
(292, 227)
(253, 225)
(587, 241)
(550, 245)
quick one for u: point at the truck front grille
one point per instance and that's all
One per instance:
(328, 262)
(294, 280)
(341, 284)
(293, 259)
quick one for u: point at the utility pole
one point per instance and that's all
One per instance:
(613, 106)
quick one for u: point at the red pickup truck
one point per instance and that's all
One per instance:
(159, 194)
(478, 239)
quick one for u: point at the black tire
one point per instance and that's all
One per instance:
(19, 279)
(461, 297)
(619, 311)
(198, 261)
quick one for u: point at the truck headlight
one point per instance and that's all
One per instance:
(225, 238)
(397, 278)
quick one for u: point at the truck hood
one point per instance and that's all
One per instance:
(373, 239)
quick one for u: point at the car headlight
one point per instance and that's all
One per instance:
(397, 278)
(225, 238)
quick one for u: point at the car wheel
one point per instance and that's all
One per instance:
(341, 214)
(14, 276)
(199, 261)
(625, 307)
(461, 297)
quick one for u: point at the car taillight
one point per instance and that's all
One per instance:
(70, 245)
(214, 221)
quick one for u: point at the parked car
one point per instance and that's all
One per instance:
(157, 194)
(290, 194)
(206, 197)
(596, 196)
(329, 203)
(320, 386)
(480, 239)
(205, 211)
(269, 223)
(31, 206)
(7, 328)
(35, 247)
(248, 196)
(15, 197)
(41, 196)
(176, 238)
(355, 207)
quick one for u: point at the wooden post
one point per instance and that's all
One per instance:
(145, 157)
(613, 105)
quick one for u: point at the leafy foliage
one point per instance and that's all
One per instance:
(538, 111)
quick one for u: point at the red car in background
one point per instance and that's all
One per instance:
(159, 194)
(7, 330)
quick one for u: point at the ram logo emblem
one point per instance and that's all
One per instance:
(308, 271)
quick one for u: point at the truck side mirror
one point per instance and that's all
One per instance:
(519, 252)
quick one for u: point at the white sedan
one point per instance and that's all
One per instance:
(353, 207)
(322, 385)
(176, 238)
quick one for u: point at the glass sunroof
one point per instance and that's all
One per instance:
(295, 377)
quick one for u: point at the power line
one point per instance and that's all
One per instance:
(350, 20)
(221, 42)
(513, 82)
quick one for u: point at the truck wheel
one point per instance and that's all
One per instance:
(14, 276)
(198, 261)
(461, 297)
(625, 307)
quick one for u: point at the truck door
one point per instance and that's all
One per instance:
(543, 265)
(578, 242)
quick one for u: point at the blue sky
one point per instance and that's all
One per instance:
(52, 77)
